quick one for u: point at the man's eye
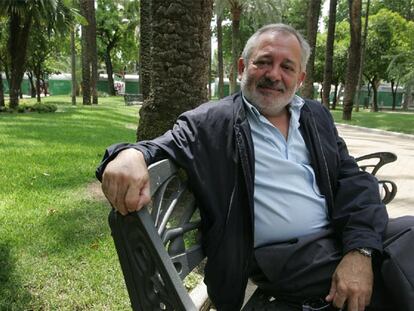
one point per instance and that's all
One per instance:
(288, 67)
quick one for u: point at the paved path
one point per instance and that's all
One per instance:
(362, 141)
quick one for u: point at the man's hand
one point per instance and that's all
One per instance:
(352, 282)
(125, 182)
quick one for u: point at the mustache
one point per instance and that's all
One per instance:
(269, 84)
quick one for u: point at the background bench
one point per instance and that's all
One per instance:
(160, 245)
(133, 99)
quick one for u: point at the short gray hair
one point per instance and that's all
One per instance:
(283, 28)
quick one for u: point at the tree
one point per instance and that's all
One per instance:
(145, 47)
(113, 25)
(21, 16)
(386, 33)
(42, 45)
(363, 47)
(89, 53)
(86, 66)
(220, 64)
(181, 34)
(73, 63)
(329, 52)
(93, 51)
(355, 7)
(341, 45)
(293, 13)
(403, 7)
(314, 8)
(3, 60)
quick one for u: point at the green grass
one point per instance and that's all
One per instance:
(390, 121)
(56, 252)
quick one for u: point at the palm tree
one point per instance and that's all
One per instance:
(21, 16)
(220, 64)
(145, 45)
(73, 63)
(93, 52)
(328, 71)
(314, 8)
(89, 53)
(361, 67)
(179, 63)
(354, 58)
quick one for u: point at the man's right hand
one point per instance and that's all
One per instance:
(125, 181)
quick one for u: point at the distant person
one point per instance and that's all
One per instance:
(281, 200)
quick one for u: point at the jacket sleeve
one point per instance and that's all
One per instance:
(358, 213)
(175, 144)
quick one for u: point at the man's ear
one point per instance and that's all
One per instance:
(240, 67)
(301, 78)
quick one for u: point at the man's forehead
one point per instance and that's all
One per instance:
(267, 42)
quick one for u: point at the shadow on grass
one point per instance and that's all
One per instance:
(13, 295)
(77, 230)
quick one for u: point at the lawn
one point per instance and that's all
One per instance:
(402, 122)
(56, 252)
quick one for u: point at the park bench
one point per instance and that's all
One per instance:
(133, 99)
(160, 245)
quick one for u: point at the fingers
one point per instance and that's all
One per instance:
(125, 182)
(144, 196)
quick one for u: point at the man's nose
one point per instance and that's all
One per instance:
(274, 73)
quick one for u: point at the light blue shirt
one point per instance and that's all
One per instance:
(287, 200)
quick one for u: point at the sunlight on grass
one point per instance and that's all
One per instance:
(56, 252)
(389, 121)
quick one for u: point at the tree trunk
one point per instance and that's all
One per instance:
(210, 59)
(393, 93)
(408, 98)
(32, 86)
(220, 57)
(361, 66)
(314, 7)
(86, 62)
(38, 90)
(110, 72)
(335, 97)
(2, 104)
(93, 51)
(354, 57)
(17, 48)
(327, 75)
(180, 63)
(73, 64)
(45, 87)
(145, 48)
(375, 92)
(235, 43)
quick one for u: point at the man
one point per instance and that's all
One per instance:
(280, 199)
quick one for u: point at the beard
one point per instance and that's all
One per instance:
(267, 104)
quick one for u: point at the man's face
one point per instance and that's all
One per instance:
(273, 73)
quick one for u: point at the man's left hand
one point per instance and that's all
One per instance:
(352, 282)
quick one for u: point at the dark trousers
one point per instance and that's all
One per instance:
(298, 270)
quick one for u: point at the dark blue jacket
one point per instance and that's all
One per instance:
(213, 144)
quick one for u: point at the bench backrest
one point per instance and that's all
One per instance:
(154, 244)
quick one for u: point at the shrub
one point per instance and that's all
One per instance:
(39, 107)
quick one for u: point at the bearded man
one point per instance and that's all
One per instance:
(281, 200)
